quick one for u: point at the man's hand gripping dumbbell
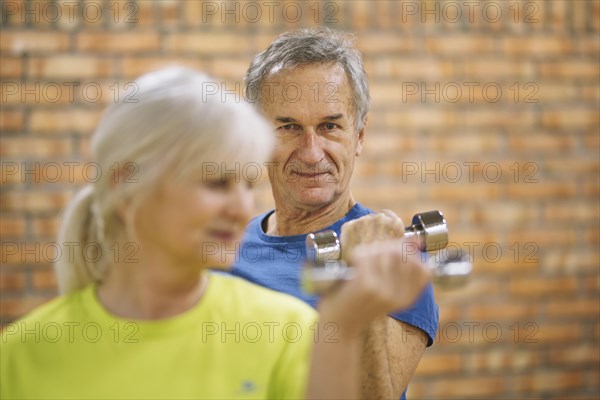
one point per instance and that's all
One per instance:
(329, 261)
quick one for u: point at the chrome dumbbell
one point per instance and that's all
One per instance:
(324, 268)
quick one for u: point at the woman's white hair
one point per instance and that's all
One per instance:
(172, 123)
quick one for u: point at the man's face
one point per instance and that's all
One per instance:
(311, 108)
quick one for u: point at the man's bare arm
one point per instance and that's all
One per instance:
(391, 352)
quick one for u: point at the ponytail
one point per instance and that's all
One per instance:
(80, 230)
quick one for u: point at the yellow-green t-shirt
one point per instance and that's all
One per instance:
(241, 341)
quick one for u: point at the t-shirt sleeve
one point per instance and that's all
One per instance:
(290, 376)
(424, 314)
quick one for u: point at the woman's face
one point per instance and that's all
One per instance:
(200, 221)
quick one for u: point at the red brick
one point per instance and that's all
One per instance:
(14, 308)
(589, 45)
(592, 236)
(504, 214)
(456, 45)
(135, 66)
(44, 279)
(11, 120)
(439, 364)
(142, 15)
(472, 387)
(573, 308)
(571, 118)
(60, 172)
(589, 94)
(373, 43)
(12, 67)
(46, 227)
(170, 14)
(34, 147)
(32, 202)
(360, 15)
(577, 70)
(582, 211)
(475, 288)
(386, 145)
(63, 122)
(541, 381)
(377, 196)
(591, 140)
(12, 227)
(12, 281)
(465, 143)
(537, 46)
(488, 117)
(540, 287)
(418, 118)
(456, 192)
(546, 142)
(499, 360)
(531, 240)
(122, 42)
(570, 259)
(550, 333)
(24, 253)
(541, 189)
(409, 69)
(548, 93)
(229, 68)
(450, 312)
(18, 92)
(591, 187)
(13, 13)
(19, 42)
(511, 311)
(557, 15)
(595, 13)
(215, 44)
(496, 68)
(70, 66)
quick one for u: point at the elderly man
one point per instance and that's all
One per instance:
(312, 85)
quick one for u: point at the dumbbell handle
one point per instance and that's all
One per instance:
(429, 228)
(447, 272)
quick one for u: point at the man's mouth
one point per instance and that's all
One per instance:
(310, 175)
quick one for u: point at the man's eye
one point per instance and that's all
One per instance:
(329, 126)
(289, 127)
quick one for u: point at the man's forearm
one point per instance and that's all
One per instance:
(390, 354)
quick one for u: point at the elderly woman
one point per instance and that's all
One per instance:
(141, 316)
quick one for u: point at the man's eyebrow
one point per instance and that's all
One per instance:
(289, 120)
(334, 117)
(285, 120)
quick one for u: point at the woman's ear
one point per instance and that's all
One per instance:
(122, 174)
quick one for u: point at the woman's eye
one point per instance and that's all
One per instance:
(217, 184)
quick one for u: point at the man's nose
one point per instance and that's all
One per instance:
(311, 151)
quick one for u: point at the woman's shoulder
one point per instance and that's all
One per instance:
(56, 312)
(255, 299)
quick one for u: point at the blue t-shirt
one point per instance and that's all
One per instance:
(276, 261)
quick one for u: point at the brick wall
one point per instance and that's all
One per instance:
(487, 110)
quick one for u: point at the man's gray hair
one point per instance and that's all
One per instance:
(312, 46)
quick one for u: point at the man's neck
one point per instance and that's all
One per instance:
(287, 221)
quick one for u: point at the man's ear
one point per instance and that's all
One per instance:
(361, 137)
